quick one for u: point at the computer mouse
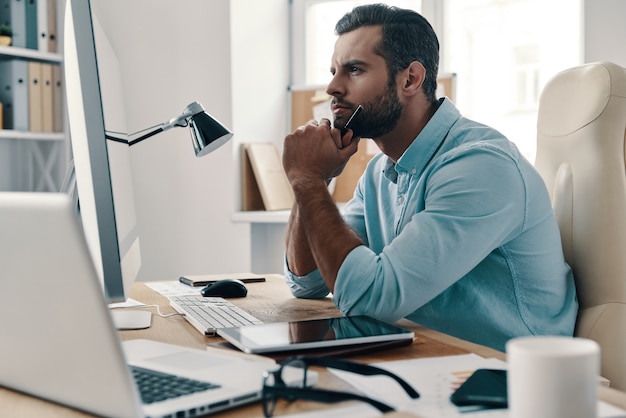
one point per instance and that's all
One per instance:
(226, 288)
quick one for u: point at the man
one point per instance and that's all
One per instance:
(449, 226)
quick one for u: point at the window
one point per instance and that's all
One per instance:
(503, 52)
(527, 66)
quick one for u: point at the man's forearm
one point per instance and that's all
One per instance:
(329, 238)
(298, 251)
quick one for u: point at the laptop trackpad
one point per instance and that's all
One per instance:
(188, 360)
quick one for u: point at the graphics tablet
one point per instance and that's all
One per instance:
(313, 333)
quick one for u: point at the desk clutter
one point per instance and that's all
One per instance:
(333, 336)
(435, 378)
(86, 344)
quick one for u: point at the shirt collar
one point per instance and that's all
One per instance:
(425, 145)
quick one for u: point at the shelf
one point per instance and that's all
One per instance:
(264, 217)
(34, 161)
(32, 136)
(30, 54)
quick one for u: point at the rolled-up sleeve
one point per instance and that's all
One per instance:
(310, 286)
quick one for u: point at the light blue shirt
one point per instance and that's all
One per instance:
(459, 237)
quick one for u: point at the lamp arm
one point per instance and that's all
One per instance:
(134, 141)
(179, 121)
(115, 138)
(146, 136)
(187, 118)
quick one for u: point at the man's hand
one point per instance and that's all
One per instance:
(316, 151)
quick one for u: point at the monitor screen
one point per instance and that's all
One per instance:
(102, 167)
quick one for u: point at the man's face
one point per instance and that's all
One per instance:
(360, 77)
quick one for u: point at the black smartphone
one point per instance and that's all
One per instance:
(485, 387)
(351, 121)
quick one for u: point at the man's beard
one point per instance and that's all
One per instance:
(379, 115)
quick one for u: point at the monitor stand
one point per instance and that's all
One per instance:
(124, 319)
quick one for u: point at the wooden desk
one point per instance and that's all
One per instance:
(270, 302)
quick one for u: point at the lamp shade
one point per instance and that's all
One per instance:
(207, 134)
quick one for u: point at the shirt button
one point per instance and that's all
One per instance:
(400, 200)
(413, 170)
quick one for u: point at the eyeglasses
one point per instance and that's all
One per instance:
(274, 386)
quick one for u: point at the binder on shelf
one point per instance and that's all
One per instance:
(57, 77)
(52, 25)
(265, 184)
(13, 12)
(47, 98)
(42, 25)
(35, 94)
(32, 32)
(14, 93)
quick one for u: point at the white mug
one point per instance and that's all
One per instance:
(552, 377)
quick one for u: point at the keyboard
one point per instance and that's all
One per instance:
(155, 386)
(208, 314)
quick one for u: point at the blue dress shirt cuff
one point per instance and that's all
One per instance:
(310, 286)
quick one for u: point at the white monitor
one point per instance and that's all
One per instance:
(102, 167)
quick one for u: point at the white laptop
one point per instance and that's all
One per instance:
(58, 341)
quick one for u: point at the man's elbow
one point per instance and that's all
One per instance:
(308, 293)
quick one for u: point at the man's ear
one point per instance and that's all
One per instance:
(413, 78)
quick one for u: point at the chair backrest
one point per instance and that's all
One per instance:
(581, 132)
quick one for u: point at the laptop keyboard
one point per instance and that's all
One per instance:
(156, 387)
(208, 314)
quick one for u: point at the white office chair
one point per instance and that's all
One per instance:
(581, 132)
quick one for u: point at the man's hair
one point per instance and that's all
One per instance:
(406, 37)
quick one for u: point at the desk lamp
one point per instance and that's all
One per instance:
(207, 134)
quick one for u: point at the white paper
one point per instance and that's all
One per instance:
(176, 288)
(435, 378)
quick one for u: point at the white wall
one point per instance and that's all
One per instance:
(260, 73)
(231, 55)
(605, 31)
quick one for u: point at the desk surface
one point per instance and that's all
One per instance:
(270, 302)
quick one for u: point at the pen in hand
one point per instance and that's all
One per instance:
(352, 120)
